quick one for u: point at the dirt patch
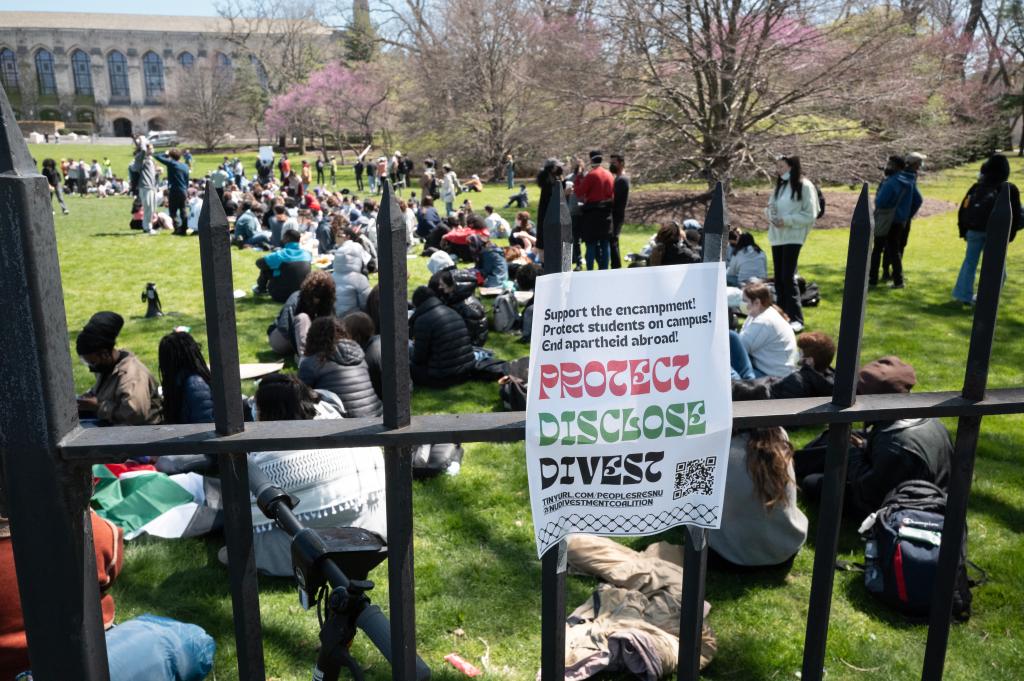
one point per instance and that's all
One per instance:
(746, 208)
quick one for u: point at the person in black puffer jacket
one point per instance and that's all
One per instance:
(456, 291)
(336, 363)
(360, 328)
(442, 354)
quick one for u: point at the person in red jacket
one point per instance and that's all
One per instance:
(596, 191)
(108, 541)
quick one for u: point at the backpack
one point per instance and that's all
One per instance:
(506, 312)
(431, 460)
(901, 556)
(526, 327)
(821, 202)
(513, 387)
(977, 207)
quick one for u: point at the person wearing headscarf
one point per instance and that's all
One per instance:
(125, 394)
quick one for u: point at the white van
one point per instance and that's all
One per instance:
(163, 138)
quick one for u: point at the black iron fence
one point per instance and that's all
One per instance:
(47, 456)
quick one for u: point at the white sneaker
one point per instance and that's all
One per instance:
(796, 326)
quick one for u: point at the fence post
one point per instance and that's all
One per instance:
(557, 226)
(993, 265)
(695, 539)
(844, 394)
(394, 336)
(47, 500)
(222, 346)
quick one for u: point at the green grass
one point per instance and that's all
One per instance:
(476, 569)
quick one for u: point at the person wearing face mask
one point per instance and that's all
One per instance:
(766, 345)
(125, 394)
(792, 210)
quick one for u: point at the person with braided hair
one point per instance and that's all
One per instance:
(185, 379)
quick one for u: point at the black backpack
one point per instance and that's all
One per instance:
(901, 556)
(977, 207)
(821, 202)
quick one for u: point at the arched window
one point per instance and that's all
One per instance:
(223, 61)
(261, 73)
(44, 73)
(81, 67)
(153, 74)
(117, 67)
(187, 60)
(9, 70)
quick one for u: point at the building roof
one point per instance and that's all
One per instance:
(123, 22)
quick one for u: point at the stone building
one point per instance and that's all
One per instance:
(108, 73)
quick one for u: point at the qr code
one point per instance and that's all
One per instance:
(695, 477)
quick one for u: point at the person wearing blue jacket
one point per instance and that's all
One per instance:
(177, 189)
(898, 190)
(270, 265)
(492, 265)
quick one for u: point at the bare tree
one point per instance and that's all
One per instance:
(204, 108)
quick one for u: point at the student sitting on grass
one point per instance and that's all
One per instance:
(185, 380)
(287, 335)
(350, 284)
(442, 354)
(748, 262)
(813, 378)
(336, 363)
(335, 488)
(125, 393)
(886, 453)
(282, 272)
(766, 345)
(458, 295)
(761, 524)
(520, 200)
(359, 327)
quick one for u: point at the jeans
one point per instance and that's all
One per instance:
(59, 194)
(599, 251)
(372, 179)
(964, 288)
(784, 262)
(449, 207)
(739, 360)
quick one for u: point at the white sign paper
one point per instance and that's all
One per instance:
(629, 412)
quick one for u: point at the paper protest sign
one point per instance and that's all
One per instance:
(266, 154)
(629, 411)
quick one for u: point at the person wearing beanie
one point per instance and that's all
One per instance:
(596, 192)
(972, 220)
(886, 453)
(125, 394)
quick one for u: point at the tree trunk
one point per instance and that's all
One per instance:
(282, 141)
(301, 141)
(970, 26)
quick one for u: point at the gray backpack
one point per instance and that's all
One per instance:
(506, 312)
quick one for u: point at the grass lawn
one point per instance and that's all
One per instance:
(477, 578)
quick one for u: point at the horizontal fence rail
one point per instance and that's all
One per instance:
(115, 444)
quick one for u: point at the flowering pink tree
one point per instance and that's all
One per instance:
(335, 100)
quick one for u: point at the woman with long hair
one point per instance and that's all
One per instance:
(792, 210)
(748, 262)
(761, 524)
(185, 380)
(335, 488)
(315, 298)
(336, 363)
(766, 338)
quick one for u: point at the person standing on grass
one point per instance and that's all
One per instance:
(358, 168)
(792, 210)
(619, 203)
(83, 177)
(914, 161)
(596, 192)
(972, 220)
(898, 191)
(320, 170)
(510, 171)
(177, 189)
(449, 189)
(53, 179)
(333, 163)
(284, 166)
(147, 182)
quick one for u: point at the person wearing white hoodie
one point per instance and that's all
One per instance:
(792, 210)
(351, 286)
(766, 336)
